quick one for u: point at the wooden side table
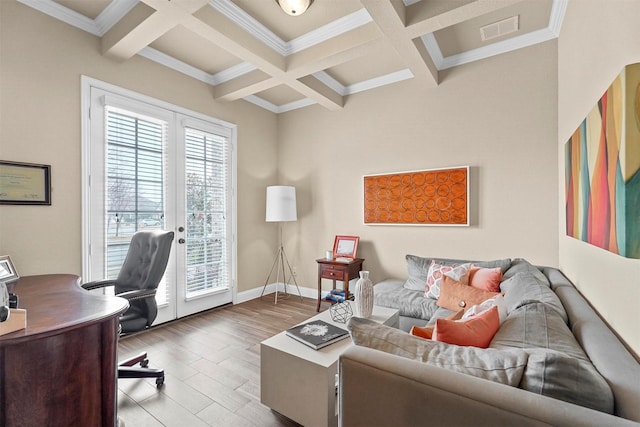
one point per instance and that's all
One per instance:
(336, 270)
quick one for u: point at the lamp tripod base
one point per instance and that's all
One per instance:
(279, 264)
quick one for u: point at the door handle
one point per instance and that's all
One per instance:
(181, 229)
(181, 241)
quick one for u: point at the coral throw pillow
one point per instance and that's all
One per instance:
(487, 279)
(422, 331)
(437, 271)
(477, 331)
(427, 331)
(455, 295)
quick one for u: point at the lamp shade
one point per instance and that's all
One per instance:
(281, 203)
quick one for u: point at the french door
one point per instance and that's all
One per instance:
(149, 166)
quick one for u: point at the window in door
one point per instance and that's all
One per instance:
(150, 165)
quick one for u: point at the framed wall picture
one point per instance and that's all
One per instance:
(345, 247)
(434, 197)
(24, 183)
(8, 272)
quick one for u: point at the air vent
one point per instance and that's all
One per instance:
(500, 28)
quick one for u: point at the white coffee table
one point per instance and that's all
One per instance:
(298, 381)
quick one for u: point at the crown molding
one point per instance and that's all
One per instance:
(261, 103)
(330, 82)
(64, 14)
(112, 14)
(250, 25)
(377, 82)
(295, 105)
(277, 109)
(558, 9)
(328, 31)
(373, 83)
(98, 27)
(233, 72)
(177, 65)
(271, 40)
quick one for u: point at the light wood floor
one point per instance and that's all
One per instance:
(212, 367)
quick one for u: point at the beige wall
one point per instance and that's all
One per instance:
(42, 60)
(498, 116)
(595, 44)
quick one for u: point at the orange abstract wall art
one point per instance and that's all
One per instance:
(429, 197)
(602, 170)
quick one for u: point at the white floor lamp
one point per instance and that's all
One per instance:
(281, 207)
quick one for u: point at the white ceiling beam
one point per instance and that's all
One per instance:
(245, 85)
(318, 91)
(332, 52)
(143, 26)
(217, 28)
(335, 51)
(390, 18)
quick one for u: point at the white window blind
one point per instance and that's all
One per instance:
(135, 178)
(207, 202)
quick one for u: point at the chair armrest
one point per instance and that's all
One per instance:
(138, 294)
(97, 284)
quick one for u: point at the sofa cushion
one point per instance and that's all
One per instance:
(525, 286)
(505, 367)
(554, 374)
(520, 265)
(391, 293)
(536, 325)
(455, 295)
(418, 268)
(476, 331)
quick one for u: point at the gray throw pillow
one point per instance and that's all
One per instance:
(554, 374)
(418, 268)
(505, 367)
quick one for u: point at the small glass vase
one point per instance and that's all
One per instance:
(364, 295)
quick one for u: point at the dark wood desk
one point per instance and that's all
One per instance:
(62, 369)
(336, 270)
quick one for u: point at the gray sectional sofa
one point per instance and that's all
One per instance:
(552, 362)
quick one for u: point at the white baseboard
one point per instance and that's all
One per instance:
(254, 293)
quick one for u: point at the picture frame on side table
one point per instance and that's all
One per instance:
(345, 247)
(8, 272)
(24, 183)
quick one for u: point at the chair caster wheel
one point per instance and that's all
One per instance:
(159, 382)
(144, 363)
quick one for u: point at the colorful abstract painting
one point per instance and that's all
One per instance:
(430, 197)
(602, 170)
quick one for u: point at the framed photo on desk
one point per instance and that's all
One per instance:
(8, 272)
(345, 247)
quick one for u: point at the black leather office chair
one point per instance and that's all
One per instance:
(138, 281)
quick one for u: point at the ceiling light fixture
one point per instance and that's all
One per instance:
(294, 7)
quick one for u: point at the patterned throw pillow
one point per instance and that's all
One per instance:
(436, 271)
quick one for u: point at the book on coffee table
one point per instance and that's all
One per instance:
(317, 334)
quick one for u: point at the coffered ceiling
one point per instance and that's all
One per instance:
(252, 50)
